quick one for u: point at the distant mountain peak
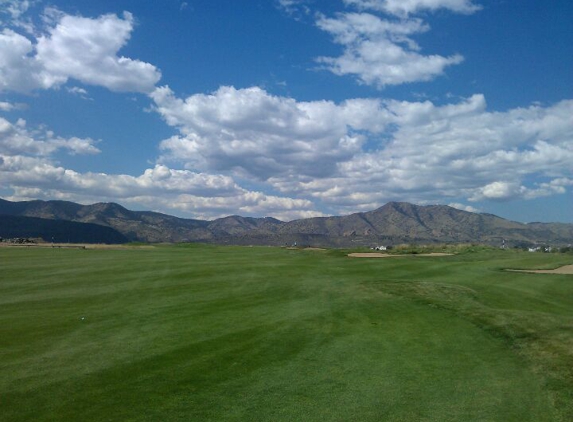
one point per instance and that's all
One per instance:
(394, 222)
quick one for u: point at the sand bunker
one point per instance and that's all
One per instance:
(386, 255)
(567, 269)
(370, 255)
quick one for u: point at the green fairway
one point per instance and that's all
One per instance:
(209, 333)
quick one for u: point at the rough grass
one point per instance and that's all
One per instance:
(224, 333)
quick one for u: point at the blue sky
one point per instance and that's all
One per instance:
(289, 108)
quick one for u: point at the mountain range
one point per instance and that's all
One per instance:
(393, 223)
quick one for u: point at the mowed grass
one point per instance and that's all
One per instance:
(207, 333)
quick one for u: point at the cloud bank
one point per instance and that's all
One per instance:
(375, 149)
(249, 151)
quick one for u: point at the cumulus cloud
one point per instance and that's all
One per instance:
(27, 168)
(8, 106)
(16, 139)
(250, 152)
(320, 156)
(243, 203)
(464, 207)
(18, 70)
(499, 191)
(81, 92)
(14, 9)
(74, 47)
(363, 152)
(456, 151)
(506, 191)
(407, 7)
(294, 7)
(380, 52)
(311, 157)
(260, 135)
(160, 188)
(12, 13)
(159, 180)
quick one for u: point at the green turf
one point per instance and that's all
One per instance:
(205, 333)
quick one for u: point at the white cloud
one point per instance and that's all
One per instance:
(86, 49)
(159, 180)
(160, 188)
(289, 4)
(74, 47)
(294, 7)
(7, 106)
(380, 52)
(451, 151)
(304, 158)
(499, 191)
(79, 92)
(351, 156)
(464, 207)
(363, 152)
(505, 191)
(12, 13)
(28, 169)
(259, 135)
(14, 9)
(406, 7)
(246, 203)
(18, 70)
(16, 139)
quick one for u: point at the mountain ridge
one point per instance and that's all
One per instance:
(392, 223)
(59, 231)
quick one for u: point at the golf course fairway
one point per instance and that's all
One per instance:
(220, 333)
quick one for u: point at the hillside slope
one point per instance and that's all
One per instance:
(59, 231)
(395, 222)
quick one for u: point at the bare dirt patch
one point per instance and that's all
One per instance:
(370, 255)
(386, 255)
(99, 246)
(566, 269)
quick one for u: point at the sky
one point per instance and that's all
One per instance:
(289, 108)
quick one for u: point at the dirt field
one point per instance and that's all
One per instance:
(385, 255)
(567, 269)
